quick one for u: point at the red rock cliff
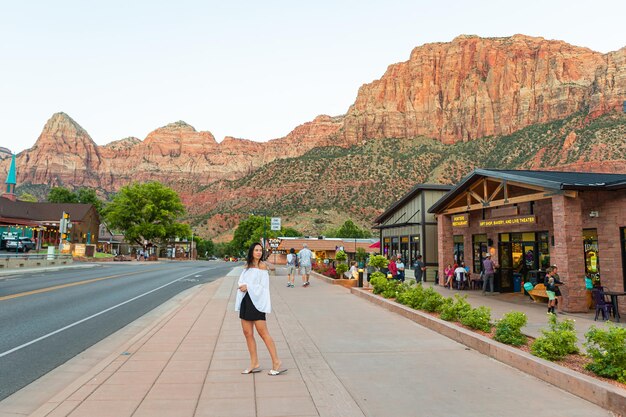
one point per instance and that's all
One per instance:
(474, 87)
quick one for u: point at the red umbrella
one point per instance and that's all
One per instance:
(375, 245)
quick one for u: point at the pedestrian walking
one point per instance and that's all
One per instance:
(252, 303)
(420, 269)
(305, 257)
(489, 269)
(292, 265)
(550, 292)
(557, 290)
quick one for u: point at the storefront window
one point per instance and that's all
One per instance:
(386, 246)
(592, 259)
(395, 246)
(480, 249)
(415, 248)
(544, 249)
(404, 249)
(459, 249)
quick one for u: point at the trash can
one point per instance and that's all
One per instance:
(517, 282)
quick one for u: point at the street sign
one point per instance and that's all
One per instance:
(274, 243)
(275, 223)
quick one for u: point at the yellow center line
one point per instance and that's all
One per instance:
(72, 284)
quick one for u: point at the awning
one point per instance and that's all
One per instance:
(375, 245)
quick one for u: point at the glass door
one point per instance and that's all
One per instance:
(505, 261)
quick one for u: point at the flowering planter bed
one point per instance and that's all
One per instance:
(347, 283)
(594, 390)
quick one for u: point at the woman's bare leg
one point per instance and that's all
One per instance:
(248, 332)
(261, 328)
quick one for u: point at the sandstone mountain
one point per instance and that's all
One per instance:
(472, 90)
(475, 87)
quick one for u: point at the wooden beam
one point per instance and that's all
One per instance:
(498, 203)
(506, 191)
(485, 195)
(492, 196)
(528, 186)
(477, 197)
(457, 199)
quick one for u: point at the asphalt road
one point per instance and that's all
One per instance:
(48, 318)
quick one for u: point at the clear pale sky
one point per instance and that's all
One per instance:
(248, 69)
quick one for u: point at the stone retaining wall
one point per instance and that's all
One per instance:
(29, 262)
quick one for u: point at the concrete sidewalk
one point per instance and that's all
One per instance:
(346, 357)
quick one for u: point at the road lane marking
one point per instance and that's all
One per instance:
(71, 284)
(69, 326)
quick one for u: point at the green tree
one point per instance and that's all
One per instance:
(89, 196)
(349, 230)
(27, 197)
(223, 249)
(147, 212)
(204, 246)
(62, 195)
(82, 196)
(251, 230)
(247, 229)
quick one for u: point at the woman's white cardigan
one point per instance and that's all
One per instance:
(258, 283)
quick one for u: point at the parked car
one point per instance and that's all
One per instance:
(23, 244)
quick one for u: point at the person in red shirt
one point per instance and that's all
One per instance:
(393, 268)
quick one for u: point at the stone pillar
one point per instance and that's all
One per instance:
(568, 252)
(445, 242)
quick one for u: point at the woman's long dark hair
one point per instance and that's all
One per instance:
(250, 257)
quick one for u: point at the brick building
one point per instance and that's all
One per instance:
(529, 220)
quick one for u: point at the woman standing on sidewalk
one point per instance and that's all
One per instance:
(252, 302)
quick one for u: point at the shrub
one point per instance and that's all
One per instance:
(412, 297)
(607, 350)
(379, 282)
(341, 268)
(378, 261)
(393, 289)
(557, 342)
(341, 256)
(411, 282)
(477, 318)
(330, 272)
(455, 308)
(431, 300)
(508, 329)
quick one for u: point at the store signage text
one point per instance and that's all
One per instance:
(511, 221)
(460, 220)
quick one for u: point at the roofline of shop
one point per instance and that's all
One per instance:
(494, 173)
(397, 204)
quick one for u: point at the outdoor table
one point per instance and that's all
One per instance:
(614, 295)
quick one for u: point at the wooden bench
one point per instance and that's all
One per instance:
(538, 294)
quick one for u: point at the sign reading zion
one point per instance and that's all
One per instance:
(460, 220)
(508, 221)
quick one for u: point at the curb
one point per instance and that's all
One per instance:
(597, 392)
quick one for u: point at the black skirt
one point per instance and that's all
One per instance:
(247, 310)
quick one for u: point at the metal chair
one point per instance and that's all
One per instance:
(601, 304)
